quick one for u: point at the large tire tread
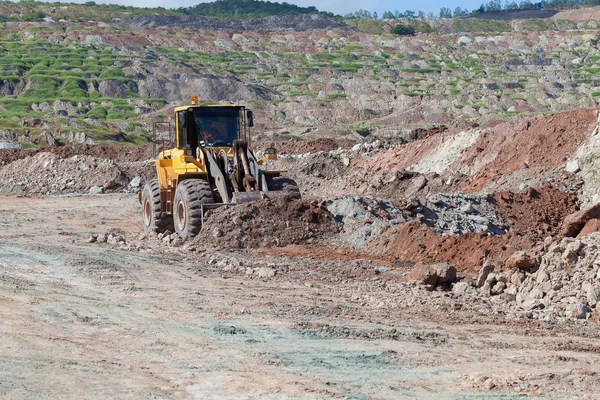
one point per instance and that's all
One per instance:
(194, 193)
(288, 185)
(156, 221)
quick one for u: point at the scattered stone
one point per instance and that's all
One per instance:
(136, 182)
(577, 311)
(572, 166)
(575, 222)
(433, 274)
(461, 288)
(593, 295)
(487, 268)
(446, 273)
(380, 269)
(498, 288)
(593, 225)
(95, 190)
(266, 272)
(521, 260)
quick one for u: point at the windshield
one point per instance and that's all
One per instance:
(216, 126)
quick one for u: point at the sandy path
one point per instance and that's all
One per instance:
(82, 321)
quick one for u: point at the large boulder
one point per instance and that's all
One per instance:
(522, 260)
(593, 225)
(574, 223)
(433, 274)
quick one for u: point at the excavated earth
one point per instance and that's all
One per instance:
(461, 264)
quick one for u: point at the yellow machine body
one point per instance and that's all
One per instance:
(211, 165)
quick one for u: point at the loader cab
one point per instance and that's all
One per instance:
(211, 126)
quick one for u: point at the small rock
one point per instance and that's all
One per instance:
(266, 272)
(423, 273)
(446, 273)
(572, 166)
(521, 260)
(498, 288)
(379, 269)
(532, 304)
(112, 239)
(489, 384)
(487, 268)
(237, 221)
(135, 182)
(577, 311)
(460, 287)
(91, 239)
(101, 238)
(593, 294)
(95, 190)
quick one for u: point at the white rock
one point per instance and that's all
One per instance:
(593, 294)
(266, 272)
(572, 166)
(135, 182)
(96, 190)
(463, 40)
(460, 287)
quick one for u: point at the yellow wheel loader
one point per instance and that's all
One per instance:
(211, 165)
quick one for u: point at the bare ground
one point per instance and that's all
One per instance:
(85, 320)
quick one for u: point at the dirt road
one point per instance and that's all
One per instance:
(86, 321)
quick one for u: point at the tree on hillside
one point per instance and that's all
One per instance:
(445, 12)
(246, 9)
(459, 12)
(403, 30)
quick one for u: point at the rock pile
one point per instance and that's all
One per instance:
(561, 281)
(46, 173)
(362, 217)
(459, 213)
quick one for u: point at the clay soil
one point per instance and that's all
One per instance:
(89, 320)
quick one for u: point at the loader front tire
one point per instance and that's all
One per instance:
(283, 184)
(190, 195)
(153, 219)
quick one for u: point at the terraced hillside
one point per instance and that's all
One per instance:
(107, 78)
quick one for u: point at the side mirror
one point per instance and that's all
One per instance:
(250, 118)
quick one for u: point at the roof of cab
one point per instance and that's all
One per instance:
(183, 108)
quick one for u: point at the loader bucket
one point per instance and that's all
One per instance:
(249, 197)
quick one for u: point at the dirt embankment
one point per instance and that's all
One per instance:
(579, 14)
(486, 155)
(116, 153)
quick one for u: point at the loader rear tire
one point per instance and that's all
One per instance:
(190, 195)
(153, 219)
(287, 185)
